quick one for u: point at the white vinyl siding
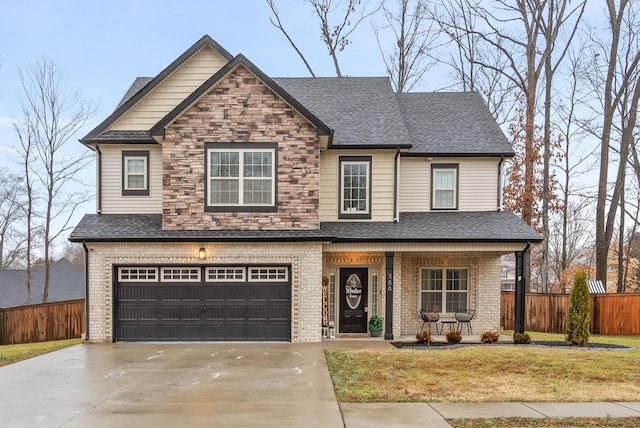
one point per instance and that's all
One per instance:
(382, 191)
(172, 91)
(477, 183)
(113, 202)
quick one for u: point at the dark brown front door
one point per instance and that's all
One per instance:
(353, 300)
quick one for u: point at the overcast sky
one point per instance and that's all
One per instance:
(101, 46)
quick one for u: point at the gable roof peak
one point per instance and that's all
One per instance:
(149, 85)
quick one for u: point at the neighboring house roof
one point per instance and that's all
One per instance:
(596, 287)
(460, 226)
(66, 282)
(452, 123)
(491, 226)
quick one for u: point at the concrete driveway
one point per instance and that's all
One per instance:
(171, 385)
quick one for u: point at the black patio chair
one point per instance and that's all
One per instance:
(464, 318)
(428, 318)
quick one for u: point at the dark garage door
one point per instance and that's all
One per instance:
(203, 303)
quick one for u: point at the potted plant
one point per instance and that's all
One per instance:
(375, 325)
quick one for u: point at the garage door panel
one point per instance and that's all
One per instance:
(174, 311)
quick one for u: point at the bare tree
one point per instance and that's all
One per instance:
(415, 38)
(11, 214)
(24, 130)
(53, 114)
(558, 16)
(614, 76)
(466, 53)
(338, 20)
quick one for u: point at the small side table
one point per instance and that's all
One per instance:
(451, 324)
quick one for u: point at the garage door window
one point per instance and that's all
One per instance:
(268, 274)
(225, 274)
(138, 274)
(181, 274)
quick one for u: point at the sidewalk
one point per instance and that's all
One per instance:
(360, 415)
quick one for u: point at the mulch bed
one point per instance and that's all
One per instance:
(542, 343)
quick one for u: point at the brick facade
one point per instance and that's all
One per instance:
(304, 258)
(483, 288)
(240, 109)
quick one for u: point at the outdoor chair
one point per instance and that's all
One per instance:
(428, 318)
(464, 318)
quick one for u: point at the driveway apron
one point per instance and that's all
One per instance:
(171, 385)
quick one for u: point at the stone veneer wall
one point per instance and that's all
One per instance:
(240, 108)
(484, 287)
(306, 276)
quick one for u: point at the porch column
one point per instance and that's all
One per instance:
(522, 261)
(388, 312)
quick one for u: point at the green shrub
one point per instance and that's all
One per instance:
(424, 337)
(578, 318)
(490, 337)
(376, 323)
(453, 337)
(521, 338)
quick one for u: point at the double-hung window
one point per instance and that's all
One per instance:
(444, 290)
(135, 173)
(355, 187)
(444, 186)
(241, 176)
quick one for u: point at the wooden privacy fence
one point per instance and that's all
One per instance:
(41, 323)
(610, 313)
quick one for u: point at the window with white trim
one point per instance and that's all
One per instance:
(241, 177)
(374, 293)
(225, 274)
(135, 173)
(182, 274)
(444, 290)
(332, 299)
(355, 187)
(279, 274)
(138, 274)
(444, 179)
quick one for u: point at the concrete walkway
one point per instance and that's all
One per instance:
(223, 385)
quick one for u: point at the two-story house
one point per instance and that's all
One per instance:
(235, 206)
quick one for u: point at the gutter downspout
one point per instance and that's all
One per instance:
(396, 183)
(522, 263)
(99, 179)
(86, 291)
(500, 183)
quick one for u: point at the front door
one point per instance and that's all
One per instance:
(353, 300)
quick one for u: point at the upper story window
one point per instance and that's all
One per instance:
(241, 176)
(444, 186)
(135, 173)
(355, 187)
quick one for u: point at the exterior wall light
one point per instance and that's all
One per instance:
(202, 253)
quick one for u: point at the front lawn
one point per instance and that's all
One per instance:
(14, 353)
(488, 373)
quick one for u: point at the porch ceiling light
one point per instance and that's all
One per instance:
(202, 253)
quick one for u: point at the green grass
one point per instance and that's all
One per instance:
(13, 353)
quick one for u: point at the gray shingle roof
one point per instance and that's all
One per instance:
(451, 123)
(148, 227)
(122, 136)
(66, 283)
(135, 87)
(361, 110)
(489, 226)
